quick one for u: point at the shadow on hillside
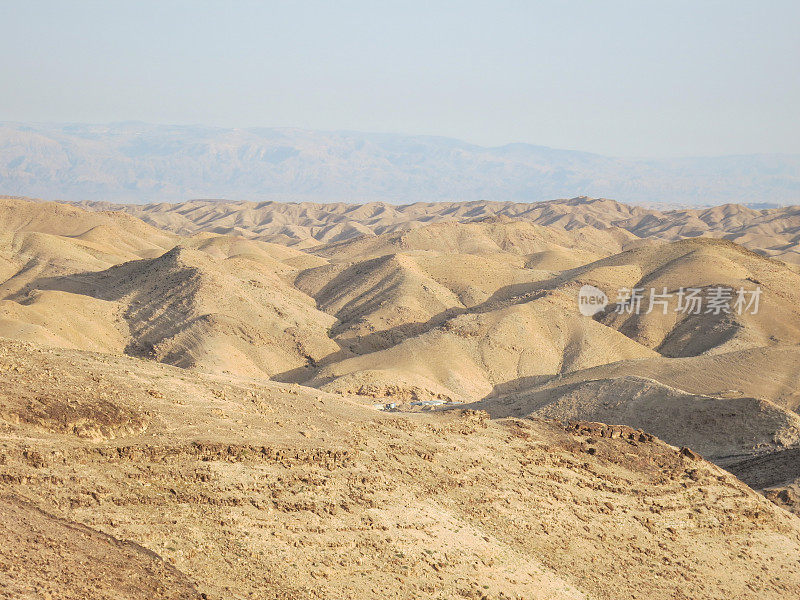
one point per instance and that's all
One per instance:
(521, 384)
(83, 284)
(393, 336)
(156, 317)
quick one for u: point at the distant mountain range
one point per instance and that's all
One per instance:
(136, 162)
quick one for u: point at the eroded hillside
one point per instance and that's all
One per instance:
(404, 398)
(252, 488)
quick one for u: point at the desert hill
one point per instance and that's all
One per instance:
(378, 302)
(395, 285)
(469, 354)
(217, 303)
(721, 429)
(244, 486)
(769, 373)
(180, 351)
(413, 321)
(182, 308)
(738, 408)
(47, 238)
(497, 237)
(772, 231)
(695, 263)
(444, 310)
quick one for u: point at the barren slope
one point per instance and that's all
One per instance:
(187, 309)
(217, 303)
(719, 428)
(702, 263)
(40, 239)
(774, 232)
(771, 373)
(382, 301)
(43, 556)
(259, 488)
(250, 487)
(469, 354)
(494, 237)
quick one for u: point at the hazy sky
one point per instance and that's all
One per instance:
(638, 78)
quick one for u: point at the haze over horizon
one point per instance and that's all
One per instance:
(621, 79)
(385, 132)
(142, 163)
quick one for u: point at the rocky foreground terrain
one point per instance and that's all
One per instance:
(209, 403)
(240, 488)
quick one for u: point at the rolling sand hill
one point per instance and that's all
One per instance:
(492, 237)
(495, 297)
(472, 353)
(774, 232)
(205, 385)
(216, 303)
(698, 263)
